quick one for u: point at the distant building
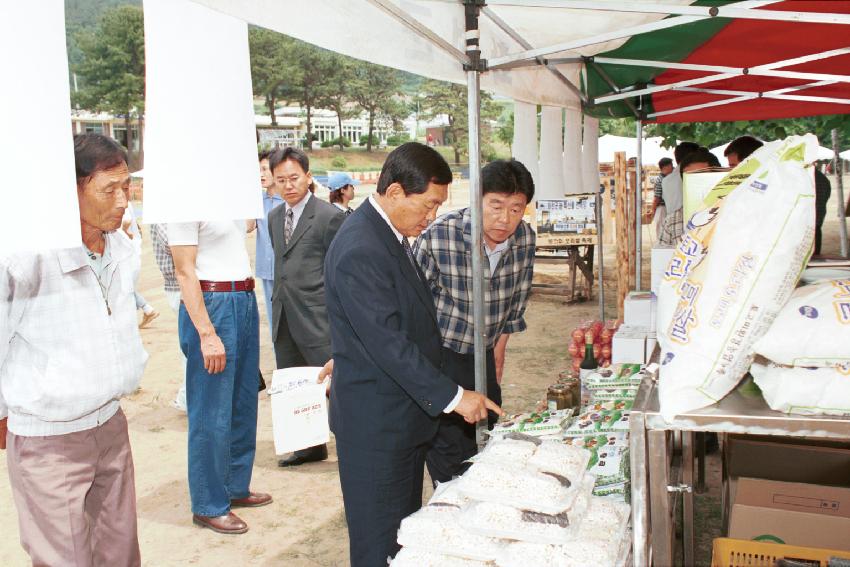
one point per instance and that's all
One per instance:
(291, 128)
(84, 121)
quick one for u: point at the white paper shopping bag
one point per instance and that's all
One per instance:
(299, 409)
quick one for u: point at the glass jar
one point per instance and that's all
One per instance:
(559, 397)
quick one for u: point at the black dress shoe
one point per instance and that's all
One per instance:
(311, 455)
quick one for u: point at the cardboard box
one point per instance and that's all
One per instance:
(794, 513)
(639, 310)
(789, 460)
(660, 259)
(629, 345)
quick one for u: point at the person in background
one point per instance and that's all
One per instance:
(387, 390)
(665, 165)
(171, 287)
(264, 260)
(301, 232)
(671, 193)
(444, 252)
(69, 351)
(341, 187)
(740, 149)
(701, 158)
(219, 334)
(131, 229)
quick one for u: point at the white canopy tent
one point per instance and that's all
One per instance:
(529, 50)
(653, 151)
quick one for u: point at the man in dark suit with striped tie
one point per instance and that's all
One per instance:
(387, 390)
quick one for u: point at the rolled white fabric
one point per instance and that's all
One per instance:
(590, 155)
(551, 183)
(525, 137)
(573, 177)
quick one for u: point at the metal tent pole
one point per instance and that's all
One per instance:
(839, 185)
(474, 107)
(638, 203)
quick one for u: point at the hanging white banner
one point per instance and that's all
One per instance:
(200, 149)
(551, 184)
(525, 137)
(38, 207)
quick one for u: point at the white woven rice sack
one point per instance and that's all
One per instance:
(804, 390)
(813, 329)
(734, 269)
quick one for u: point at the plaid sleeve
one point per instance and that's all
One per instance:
(516, 315)
(424, 257)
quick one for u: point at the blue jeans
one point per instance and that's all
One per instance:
(268, 289)
(222, 408)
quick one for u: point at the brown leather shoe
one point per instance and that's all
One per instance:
(253, 500)
(229, 524)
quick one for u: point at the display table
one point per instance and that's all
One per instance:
(657, 479)
(579, 259)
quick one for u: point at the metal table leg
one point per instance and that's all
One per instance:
(700, 448)
(662, 531)
(688, 496)
(640, 511)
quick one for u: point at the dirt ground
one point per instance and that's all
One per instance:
(305, 526)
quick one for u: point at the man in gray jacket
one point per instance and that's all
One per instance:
(301, 231)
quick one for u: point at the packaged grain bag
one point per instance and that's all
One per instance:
(506, 522)
(813, 329)
(735, 268)
(594, 422)
(804, 390)
(408, 557)
(437, 529)
(534, 423)
(524, 488)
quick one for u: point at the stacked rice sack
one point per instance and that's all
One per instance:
(523, 497)
(806, 364)
(737, 264)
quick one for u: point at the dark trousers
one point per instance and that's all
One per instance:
(288, 354)
(455, 439)
(379, 489)
(822, 193)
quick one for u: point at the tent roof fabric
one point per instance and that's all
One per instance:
(733, 43)
(572, 38)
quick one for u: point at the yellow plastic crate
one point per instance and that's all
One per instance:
(729, 552)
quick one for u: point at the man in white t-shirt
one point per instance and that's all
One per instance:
(219, 334)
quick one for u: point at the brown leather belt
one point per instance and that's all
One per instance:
(244, 285)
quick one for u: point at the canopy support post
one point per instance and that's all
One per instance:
(839, 185)
(473, 100)
(638, 204)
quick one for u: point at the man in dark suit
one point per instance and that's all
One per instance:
(301, 231)
(387, 390)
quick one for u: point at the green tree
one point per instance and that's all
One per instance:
(310, 68)
(374, 89)
(448, 99)
(113, 66)
(505, 131)
(271, 66)
(335, 92)
(711, 134)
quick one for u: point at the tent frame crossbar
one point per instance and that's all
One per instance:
(732, 11)
(513, 34)
(751, 71)
(764, 72)
(420, 29)
(741, 96)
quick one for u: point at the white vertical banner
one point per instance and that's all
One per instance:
(573, 178)
(551, 182)
(590, 155)
(525, 137)
(38, 206)
(200, 140)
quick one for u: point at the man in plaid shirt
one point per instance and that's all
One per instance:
(443, 252)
